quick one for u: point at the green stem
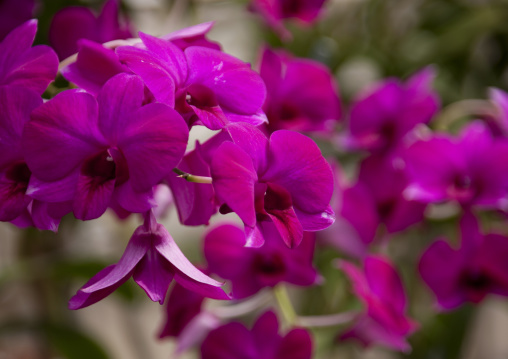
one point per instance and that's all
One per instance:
(285, 305)
(192, 178)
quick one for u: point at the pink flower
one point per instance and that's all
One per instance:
(467, 274)
(153, 259)
(384, 321)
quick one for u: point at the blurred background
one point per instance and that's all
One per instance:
(361, 41)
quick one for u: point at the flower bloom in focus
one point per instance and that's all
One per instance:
(251, 269)
(153, 259)
(301, 93)
(284, 179)
(467, 274)
(104, 150)
(78, 22)
(384, 321)
(205, 85)
(234, 340)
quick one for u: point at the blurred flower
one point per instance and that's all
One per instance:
(76, 22)
(234, 340)
(251, 269)
(284, 179)
(13, 13)
(477, 268)
(301, 94)
(274, 11)
(383, 116)
(470, 169)
(153, 259)
(206, 86)
(113, 147)
(32, 68)
(384, 321)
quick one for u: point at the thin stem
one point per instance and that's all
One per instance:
(192, 178)
(325, 320)
(245, 307)
(285, 305)
(460, 109)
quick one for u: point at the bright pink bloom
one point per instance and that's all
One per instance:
(274, 11)
(384, 321)
(284, 179)
(234, 340)
(23, 65)
(384, 115)
(153, 259)
(112, 148)
(302, 93)
(77, 22)
(470, 169)
(478, 268)
(252, 269)
(204, 85)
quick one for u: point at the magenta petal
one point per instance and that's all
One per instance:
(156, 77)
(385, 282)
(211, 117)
(67, 124)
(265, 332)
(443, 282)
(118, 99)
(56, 191)
(252, 141)
(153, 143)
(290, 229)
(316, 222)
(231, 341)
(192, 36)
(296, 163)
(94, 66)
(256, 119)
(135, 251)
(68, 26)
(297, 344)
(238, 88)
(83, 299)
(195, 201)
(17, 41)
(13, 200)
(186, 274)
(16, 103)
(154, 274)
(171, 57)
(132, 201)
(234, 177)
(225, 252)
(42, 216)
(92, 198)
(253, 237)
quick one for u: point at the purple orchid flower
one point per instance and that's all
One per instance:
(23, 65)
(284, 179)
(112, 148)
(13, 13)
(469, 273)
(234, 340)
(204, 85)
(76, 22)
(96, 63)
(274, 11)
(384, 321)
(385, 114)
(252, 269)
(301, 94)
(470, 169)
(16, 205)
(153, 259)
